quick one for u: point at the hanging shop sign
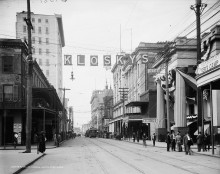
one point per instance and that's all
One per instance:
(120, 60)
(148, 120)
(17, 127)
(209, 64)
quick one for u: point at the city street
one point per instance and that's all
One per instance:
(97, 155)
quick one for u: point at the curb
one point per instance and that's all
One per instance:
(27, 165)
(215, 156)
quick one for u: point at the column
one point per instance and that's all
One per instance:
(180, 102)
(160, 106)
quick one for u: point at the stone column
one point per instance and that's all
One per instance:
(180, 102)
(160, 106)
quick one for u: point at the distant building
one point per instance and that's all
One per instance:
(101, 113)
(47, 43)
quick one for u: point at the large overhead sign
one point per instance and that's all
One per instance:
(120, 60)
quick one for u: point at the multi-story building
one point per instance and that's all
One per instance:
(135, 93)
(13, 84)
(208, 80)
(180, 59)
(99, 115)
(47, 43)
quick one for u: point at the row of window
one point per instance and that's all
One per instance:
(47, 63)
(39, 40)
(39, 20)
(40, 51)
(33, 30)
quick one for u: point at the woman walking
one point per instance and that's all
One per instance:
(144, 137)
(41, 142)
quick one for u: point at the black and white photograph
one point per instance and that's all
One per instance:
(109, 86)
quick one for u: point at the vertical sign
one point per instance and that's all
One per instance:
(81, 60)
(67, 59)
(94, 60)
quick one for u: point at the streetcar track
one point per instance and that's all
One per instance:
(155, 159)
(190, 162)
(129, 164)
(97, 160)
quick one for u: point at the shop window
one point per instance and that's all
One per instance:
(7, 64)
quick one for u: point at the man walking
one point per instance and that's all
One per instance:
(154, 138)
(168, 141)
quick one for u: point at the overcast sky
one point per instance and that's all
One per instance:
(92, 27)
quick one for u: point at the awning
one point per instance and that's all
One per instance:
(188, 79)
(190, 122)
(137, 103)
(206, 126)
(191, 100)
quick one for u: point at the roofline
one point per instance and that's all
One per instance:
(60, 26)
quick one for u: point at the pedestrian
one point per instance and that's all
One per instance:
(179, 142)
(154, 139)
(144, 137)
(199, 141)
(168, 141)
(133, 136)
(15, 139)
(207, 142)
(58, 140)
(187, 141)
(41, 142)
(55, 139)
(173, 141)
(138, 136)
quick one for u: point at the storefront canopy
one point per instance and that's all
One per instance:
(188, 79)
(137, 103)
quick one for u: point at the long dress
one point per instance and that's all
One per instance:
(41, 141)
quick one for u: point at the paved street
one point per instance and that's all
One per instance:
(98, 156)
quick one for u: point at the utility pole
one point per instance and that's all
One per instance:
(64, 90)
(198, 8)
(124, 96)
(29, 82)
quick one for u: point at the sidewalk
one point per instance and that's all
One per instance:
(164, 145)
(13, 161)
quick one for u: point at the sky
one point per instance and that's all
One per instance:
(104, 27)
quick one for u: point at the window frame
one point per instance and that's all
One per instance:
(11, 68)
